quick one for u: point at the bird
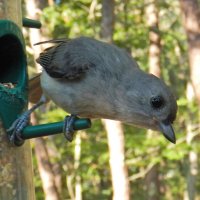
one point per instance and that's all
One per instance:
(91, 78)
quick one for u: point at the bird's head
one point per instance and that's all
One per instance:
(155, 103)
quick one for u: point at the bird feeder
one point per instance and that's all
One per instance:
(13, 73)
(14, 86)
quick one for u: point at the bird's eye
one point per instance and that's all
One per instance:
(157, 102)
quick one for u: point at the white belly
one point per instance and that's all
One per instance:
(77, 97)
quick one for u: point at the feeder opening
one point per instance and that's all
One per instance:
(11, 59)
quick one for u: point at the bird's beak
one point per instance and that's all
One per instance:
(168, 132)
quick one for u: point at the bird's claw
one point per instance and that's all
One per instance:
(17, 126)
(68, 127)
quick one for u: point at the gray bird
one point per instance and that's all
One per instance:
(93, 79)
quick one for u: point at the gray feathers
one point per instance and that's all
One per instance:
(71, 59)
(60, 63)
(94, 79)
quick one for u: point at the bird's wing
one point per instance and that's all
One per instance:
(62, 61)
(35, 90)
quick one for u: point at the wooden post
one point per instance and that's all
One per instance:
(16, 174)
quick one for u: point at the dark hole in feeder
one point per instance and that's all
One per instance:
(11, 59)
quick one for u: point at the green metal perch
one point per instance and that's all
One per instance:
(52, 128)
(49, 129)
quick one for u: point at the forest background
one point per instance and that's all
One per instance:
(111, 160)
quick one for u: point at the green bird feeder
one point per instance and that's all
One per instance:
(14, 83)
(13, 73)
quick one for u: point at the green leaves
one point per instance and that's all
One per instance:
(143, 150)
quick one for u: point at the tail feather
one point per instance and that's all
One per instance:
(35, 90)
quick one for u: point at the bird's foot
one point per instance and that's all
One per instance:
(17, 126)
(68, 127)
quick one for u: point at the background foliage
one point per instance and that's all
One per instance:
(69, 19)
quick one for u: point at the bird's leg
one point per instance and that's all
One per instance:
(68, 127)
(20, 123)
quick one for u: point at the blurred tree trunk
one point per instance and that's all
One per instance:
(49, 179)
(152, 15)
(191, 15)
(107, 21)
(152, 178)
(45, 170)
(119, 172)
(77, 156)
(192, 160)
(114, 129)
(33, 9)
(16, 172)
(54, 154)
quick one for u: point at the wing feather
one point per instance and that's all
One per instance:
(61, 61)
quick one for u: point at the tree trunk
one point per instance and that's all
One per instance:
(33, 9)
(45, 170)
(49, 180)
(154, 38)
(77, 156)
(192, 160)
(16, 174)
(191, 15)
(152, 183)
(119, 172)
(152, 177)
(107, 21)
(115, 134)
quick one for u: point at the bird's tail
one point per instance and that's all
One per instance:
(35, 90)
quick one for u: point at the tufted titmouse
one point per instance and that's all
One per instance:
(93, 79)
